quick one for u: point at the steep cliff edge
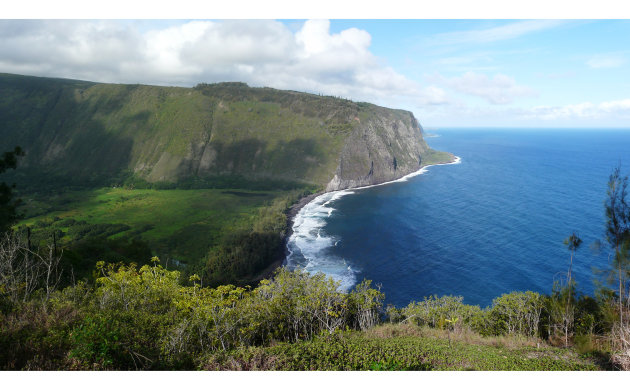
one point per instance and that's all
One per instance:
(89, 132)
(386, 145)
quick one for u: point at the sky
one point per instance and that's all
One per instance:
(448, 72)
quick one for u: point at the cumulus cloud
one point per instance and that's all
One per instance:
(500, 89)
(259, 52)
(68, 48)
(433, 95)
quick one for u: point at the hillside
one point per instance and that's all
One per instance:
(91, 133)
(99, 158)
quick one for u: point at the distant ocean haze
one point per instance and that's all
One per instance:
(492, 224)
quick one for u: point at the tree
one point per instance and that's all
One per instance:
(618, 236)
(517, 313)
(572, 242)
(23, 271)
(618, 230)
(562, 305)
(8, 205)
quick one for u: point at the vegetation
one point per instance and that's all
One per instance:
(92, 135)
(81, 290)
(618, 236)
(8, 212)
(113, 172)
(226, 236)
(436, 157)
(420, 351)
(147, 316)
(144, 318)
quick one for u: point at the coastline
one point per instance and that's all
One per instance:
(293, 211)
(420, 171)
(283, 252)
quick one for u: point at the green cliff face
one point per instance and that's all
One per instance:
(85, 132)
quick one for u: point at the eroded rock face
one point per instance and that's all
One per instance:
(387, 146)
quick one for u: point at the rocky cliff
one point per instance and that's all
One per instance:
(385, 146)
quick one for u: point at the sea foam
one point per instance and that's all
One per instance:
(308, 245)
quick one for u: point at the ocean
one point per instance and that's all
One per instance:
(491, 224)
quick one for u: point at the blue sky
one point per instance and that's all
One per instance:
(514, 73)
(564, 64)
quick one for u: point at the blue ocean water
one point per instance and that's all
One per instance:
(492, 224)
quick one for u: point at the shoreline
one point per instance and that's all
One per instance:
(420, 171)
(293, 211)
(283, 252)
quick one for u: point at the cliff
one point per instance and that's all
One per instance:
(88, 132)
(386, 145)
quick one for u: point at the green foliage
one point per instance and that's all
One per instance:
(145, 319)
(433, 311)
(131, 312)
(96, 342)
(36, 337)
(617, 209)
(123, 287)
(513, 313)
(187, 226)
(215, 182)
(365, 304)
(352, 351)
(573, 242)
(516, 313)
(561, 310)
(240, 256)
(211, 319)
(88, 133)
(589, 317)
(8, 205)
(436, 157)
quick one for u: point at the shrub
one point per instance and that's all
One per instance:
(433, 312)
(516, 313)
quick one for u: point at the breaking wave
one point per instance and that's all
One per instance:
(308, 245)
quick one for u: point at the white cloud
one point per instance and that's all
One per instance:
(585, 110)
(616, 106)
(606, 61)
(499, 89)
(509, 31)
(65, 48)
(433, 95)
(259, 52)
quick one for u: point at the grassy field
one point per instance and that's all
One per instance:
(181, 224)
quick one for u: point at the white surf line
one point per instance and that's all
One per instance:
(420, 171)
(334, 195)
(311, 242)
